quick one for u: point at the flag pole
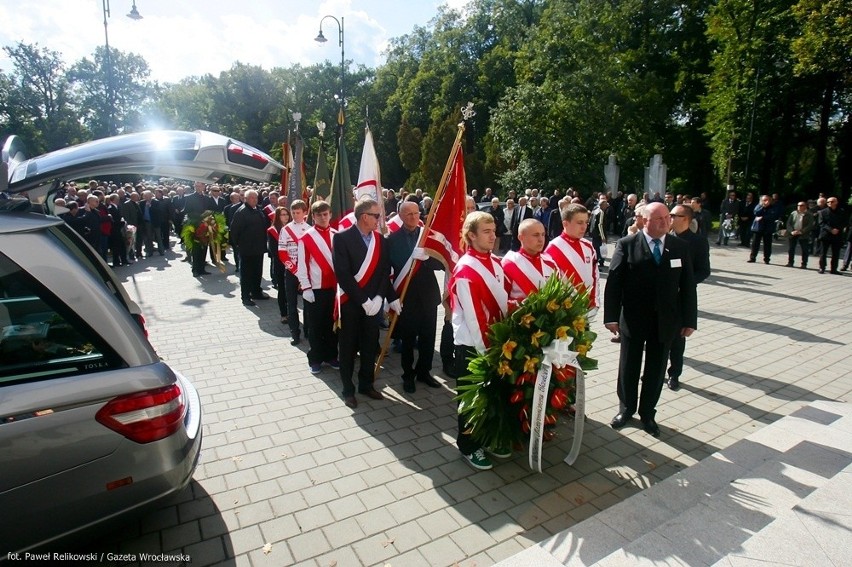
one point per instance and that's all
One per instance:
(438, 194)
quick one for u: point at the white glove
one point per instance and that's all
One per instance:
(367, 306)
(377, 305)
(395, 306)
(593, 312)
(308, 295)
(420, 254)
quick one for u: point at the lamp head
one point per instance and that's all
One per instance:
(320, 38)
(134, 13)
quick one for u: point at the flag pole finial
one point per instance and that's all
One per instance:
(468, 112)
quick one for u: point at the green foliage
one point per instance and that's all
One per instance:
(513, 359)
(752, 92)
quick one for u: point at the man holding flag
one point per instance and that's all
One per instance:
(362, 267)
(419, 317)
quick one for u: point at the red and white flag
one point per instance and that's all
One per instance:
(369, 176)
(443, 238)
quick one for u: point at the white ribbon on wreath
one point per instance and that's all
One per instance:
(558, 354)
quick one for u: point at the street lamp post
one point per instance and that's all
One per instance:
(321, 39)
(133, 15)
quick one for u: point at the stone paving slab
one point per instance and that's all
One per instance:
(285, 463)
(779, 497)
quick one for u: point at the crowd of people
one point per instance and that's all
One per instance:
(351, 276)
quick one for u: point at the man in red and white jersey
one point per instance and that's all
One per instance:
(575, 257)
(527, 269)
(288, 253)
(479, 297)
(316, 277)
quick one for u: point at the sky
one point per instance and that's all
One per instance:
(182, 38)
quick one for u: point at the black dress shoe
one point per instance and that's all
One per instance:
(673, 383)
(408, 386)
(822, 270)
(373, 394)
(836, 272)
(261, 296)
(751, 261)
(429, 381)
(619, 421)
(650, 426)
(350, 401)
(295, 340)
(249, 303)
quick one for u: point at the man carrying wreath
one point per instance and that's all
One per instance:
(575, 257)
(527, 269)
(479, 297)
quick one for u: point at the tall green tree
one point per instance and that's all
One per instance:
(111, 95)
(37, 102)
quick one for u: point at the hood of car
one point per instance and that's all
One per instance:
(197, 156)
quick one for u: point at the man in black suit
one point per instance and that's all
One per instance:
(650, 298)
(521, 213)
(419, 318)
(699, 251)
(194, 207)
(362, 266)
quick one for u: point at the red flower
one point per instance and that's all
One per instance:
(565, 374)
(525, 378)
(517, 396)
(550, 419)
(559, 398)
(525, 426)
(548, 435)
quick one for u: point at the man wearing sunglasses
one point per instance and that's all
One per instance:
(362, 265)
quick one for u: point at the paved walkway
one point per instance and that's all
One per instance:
(289, 475)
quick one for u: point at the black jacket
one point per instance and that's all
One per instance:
(699, 251)
(349, 251)
(248, 230)
(423, 291)
(639, 293)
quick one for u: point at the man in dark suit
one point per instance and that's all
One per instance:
(650, 298)
(521, 213)
(362, 266)
(194, 207)
(419, 317)
(699, 252)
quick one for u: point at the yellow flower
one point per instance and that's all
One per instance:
(583, 348)
(508, 347)
(531, 364)
(536, 336)
(552, 305)
(567, 304)
(580, 324)
(504, 369)
(562, 332)
(527, 320)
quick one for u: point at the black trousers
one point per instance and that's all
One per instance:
(251, 270)
(291, 289)
(321, 336)
(464, 441)
(359, 333)
(757, 238)
(834, 245)
(417, 327)
(804, 243)
(197, 257)
(118, 247)
(656, 355)
(280, 275)
(676, 356)
(447, 348)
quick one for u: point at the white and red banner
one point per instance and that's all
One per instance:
(369, 176)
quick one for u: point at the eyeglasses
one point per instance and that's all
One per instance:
(376, 216)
